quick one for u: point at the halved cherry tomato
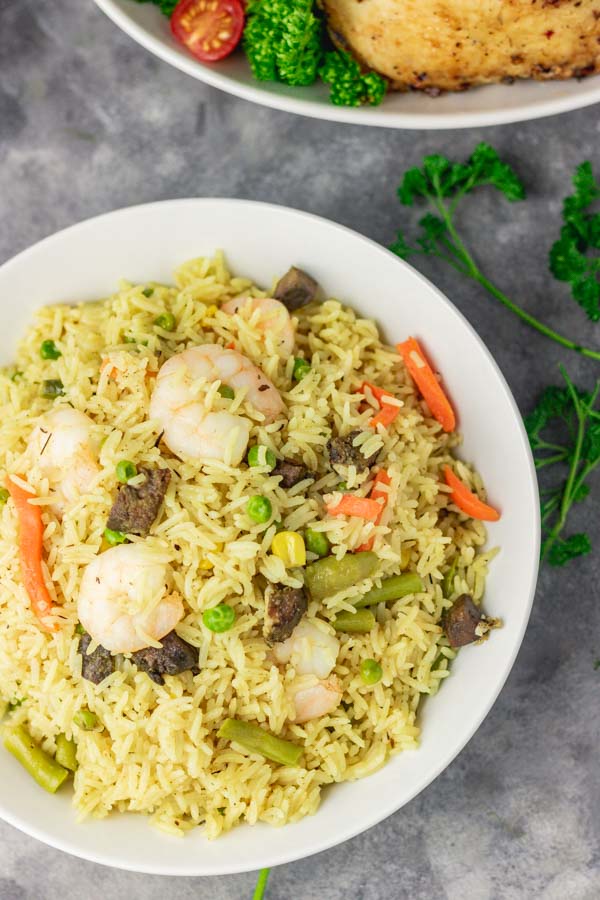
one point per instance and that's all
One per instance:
(210, 29)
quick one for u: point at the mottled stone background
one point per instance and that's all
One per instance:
(89, 122)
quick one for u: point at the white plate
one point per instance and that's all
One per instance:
(262, 241)
(492, 105)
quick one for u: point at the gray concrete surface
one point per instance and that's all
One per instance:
(90, 122)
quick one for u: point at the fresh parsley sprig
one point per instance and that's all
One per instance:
(569, 259)
(443, 184)
(564, 433)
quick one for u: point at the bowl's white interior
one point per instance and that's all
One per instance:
(491, 105)
(261, 241)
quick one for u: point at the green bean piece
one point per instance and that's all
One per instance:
(257, 740)
(66, 753)
(393, 588)
(48, 773)
(448, 582)
(226, 392)
(259, 455)
(301, 368)
(317, 542)
(52, 387)
(49, 350)
(330, 575)
(85, 719)
(360, 622)
(4, 495)
(370, 671)
(259, 508)
(125, 470)
(114, 537)
(166, 322)
(219, 618)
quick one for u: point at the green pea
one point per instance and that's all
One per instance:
(166, 322)
(49, 350)
(219, 619)
(147, 292)
(4, 495)
(114, 537)
(126, 470)
(52, 387)
(259, 455)
(301, 368)
(85, 719)
(316, 542)
(226, 392)
(370, 671)
(259, 508)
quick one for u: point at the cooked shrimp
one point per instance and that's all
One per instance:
(125, 600)
(274, 319)
(314, 697)
(313, 654)
(62, 447)
(189, 429)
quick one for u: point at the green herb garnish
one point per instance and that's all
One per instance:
(283, 40)
(349, 85)
(166, 6)
(567, 416)
(443, 184)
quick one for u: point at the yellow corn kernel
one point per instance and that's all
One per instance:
(289, 547)
(205, 564)
(211, 310)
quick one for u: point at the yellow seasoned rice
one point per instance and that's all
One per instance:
(155, 750)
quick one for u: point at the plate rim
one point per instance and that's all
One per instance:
(340, 114)
(350, 831)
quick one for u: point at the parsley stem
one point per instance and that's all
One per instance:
(261, 884)
(549, 460)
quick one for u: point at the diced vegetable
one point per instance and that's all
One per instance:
(49, 350)
(259, 455)
(427, 383)
(393, 588)
(301, 368)
(166, 321)
(382, 477)
(289, 547)
(330, 575)
(147, 292)
(351, 505)
(48, 773)
(52, 387)
(31, 532)
(388, 412)
(226, 392)
(66, 753)
(360, 622)
(467, 501)
(259, 508)
(4, 495)
(219, 618)
(448, 582)
(257, 740)
(113, 537)
(125, 470)
(85, 719)
(317, 542)
(370, 671)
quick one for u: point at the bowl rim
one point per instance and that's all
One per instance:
(354, 828)
(348, 115)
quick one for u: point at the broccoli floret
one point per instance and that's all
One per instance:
(283, 40)
(349, 85)
(165, 6)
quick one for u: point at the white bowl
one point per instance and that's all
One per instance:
(492, 105)
(262, 241)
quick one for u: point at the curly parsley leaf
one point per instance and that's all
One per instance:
(283, 40)
(564, 433)
(349, 85)
(569, 256)
(166, 6)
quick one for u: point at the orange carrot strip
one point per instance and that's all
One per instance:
(31, 531)
(382, 477)
(388, 412)
(467, 501)
(428, 385)
(350, 505)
